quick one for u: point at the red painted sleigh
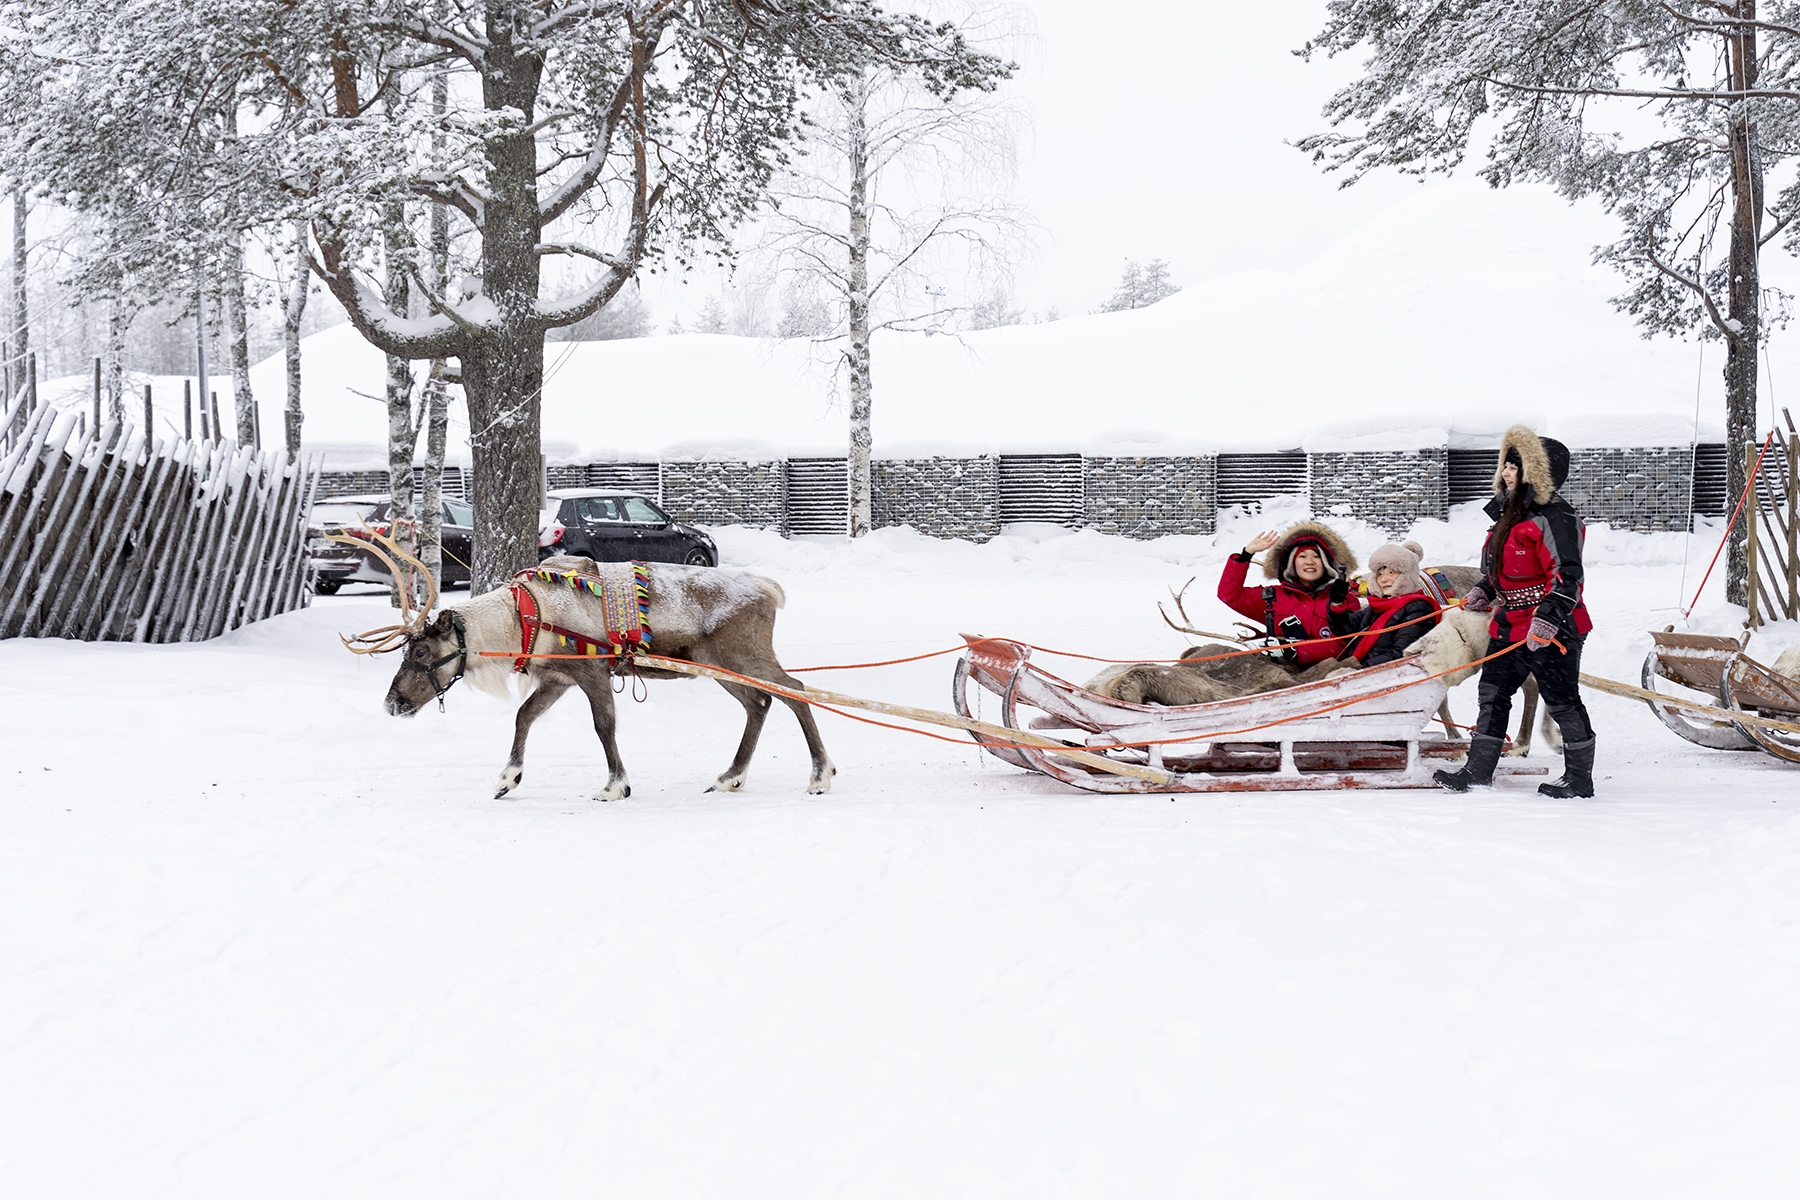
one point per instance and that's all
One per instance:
(1364, 730)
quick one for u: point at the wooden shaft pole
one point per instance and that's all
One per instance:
(1720, 714)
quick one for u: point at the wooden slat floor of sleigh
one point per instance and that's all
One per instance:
(1366, 730)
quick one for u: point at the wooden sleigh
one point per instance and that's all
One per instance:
(1718, 668)
(1364, 730)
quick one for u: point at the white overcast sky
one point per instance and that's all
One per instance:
(1156, 129)
(1159, 130)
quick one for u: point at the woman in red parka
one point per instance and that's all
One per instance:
(1532, 582)
(1309, 568)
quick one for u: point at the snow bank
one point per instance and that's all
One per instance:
(1441, 321)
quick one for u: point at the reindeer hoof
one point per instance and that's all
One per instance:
(509, 779)
(728, 783)
(615, 791)
(820, 783)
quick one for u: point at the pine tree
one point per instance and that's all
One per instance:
(1140, 287)
(1676, 116)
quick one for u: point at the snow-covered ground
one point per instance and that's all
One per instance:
(258, 939)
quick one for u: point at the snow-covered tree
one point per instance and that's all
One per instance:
(1140, 286)
(654, 119)
(592, 134)
(626, 317)
(804, 313)
(995, 310)
(1682, 117)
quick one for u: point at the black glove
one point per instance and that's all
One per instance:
(1340, 592)
(1291, 629)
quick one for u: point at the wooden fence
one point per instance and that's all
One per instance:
(106, 535)
(1772, 527)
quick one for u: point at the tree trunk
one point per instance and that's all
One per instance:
(862, 507)
(431, 498)
(503, 368)
(21, 307)
(402, 433)
(293, 308)
(502, 378)
(209, 426)
(118, 324)
(1742, 341)
(437, 400)
(237, 333)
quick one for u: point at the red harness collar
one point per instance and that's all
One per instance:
(530, 623)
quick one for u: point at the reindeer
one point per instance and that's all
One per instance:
(1150, 684)
(716, 617)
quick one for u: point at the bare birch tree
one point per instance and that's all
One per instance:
(898, 185)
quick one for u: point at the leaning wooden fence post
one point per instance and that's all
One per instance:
(1750, 533)
(1788, 515)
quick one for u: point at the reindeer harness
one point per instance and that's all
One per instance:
(624, 599)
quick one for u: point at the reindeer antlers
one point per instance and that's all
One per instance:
(1189, 626)
(412, 622)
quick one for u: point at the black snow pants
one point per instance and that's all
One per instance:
(1558, 677)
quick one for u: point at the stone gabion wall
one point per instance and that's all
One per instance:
(940, 497)
(1645, 489)
(1390, 489)
(727, 492)
(1150, 497)
(353, 483)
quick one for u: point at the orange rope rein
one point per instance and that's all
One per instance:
(801, 697)
(1095, 658)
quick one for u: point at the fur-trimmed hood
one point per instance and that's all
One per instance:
(1277, 562)
(1535, 462)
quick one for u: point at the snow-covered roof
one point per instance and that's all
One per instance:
(1441, 321)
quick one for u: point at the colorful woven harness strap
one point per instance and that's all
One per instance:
(1437, 584)
(624, 594)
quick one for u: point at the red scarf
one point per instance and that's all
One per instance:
(1388, 607)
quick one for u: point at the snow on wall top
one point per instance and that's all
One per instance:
(1441, 321)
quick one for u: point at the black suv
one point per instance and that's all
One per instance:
(610, 526)
(335, 564)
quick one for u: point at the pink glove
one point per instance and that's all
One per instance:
(1541, 633)
(1477, 599)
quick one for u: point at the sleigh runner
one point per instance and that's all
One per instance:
(1748, 704)
(1362, 730)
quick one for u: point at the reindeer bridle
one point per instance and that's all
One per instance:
(460, 658)
(413, 622)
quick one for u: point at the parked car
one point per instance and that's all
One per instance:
(614, 526)
(335, 564)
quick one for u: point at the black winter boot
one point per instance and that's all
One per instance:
(1578, 773)
(1478, 771)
